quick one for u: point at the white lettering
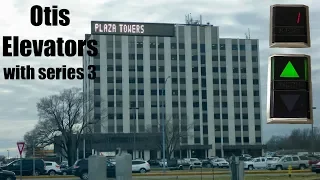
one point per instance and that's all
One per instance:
(142, 29)
(134, 28)
(96, 27)
(138, 29)
(114, 28)
(105, 28)
(125, 28)
(120, 25)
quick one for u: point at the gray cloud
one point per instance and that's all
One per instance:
(18, 110)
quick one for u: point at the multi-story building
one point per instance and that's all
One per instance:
(210, 82)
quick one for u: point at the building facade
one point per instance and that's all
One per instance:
(208, 81)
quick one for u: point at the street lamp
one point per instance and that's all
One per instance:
(134, 132)
(163, 124)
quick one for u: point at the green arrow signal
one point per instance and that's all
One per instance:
(289, 71)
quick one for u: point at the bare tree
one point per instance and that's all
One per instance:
(299, 139)
(64, 115)
(175, 132)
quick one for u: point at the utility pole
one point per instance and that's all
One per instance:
(163, 124)
(33, 156)
(135, 130)
(312, 135)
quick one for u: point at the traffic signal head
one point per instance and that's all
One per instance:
(289, 90)
(289, 26)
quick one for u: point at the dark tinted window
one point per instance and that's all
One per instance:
(137, 162)
(303, 158)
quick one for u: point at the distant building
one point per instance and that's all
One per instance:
(214, 84)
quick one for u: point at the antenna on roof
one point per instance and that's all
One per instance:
(247, 34)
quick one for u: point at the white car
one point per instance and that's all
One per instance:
(220, 162)
(52, 168)
(140, 166)
(161, 163)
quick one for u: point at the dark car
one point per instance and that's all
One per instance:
(67, 171)
(80, 169)
(207, 163)
(27, 167)
(7, 175)
(154, 162)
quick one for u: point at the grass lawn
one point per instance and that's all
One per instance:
(284, 177)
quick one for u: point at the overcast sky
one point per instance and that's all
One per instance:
(18, 98)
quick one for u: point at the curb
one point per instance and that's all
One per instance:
(183, 174)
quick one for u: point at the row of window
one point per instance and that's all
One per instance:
(181, 69)
(238, 140)
(225, 128)
(237, 116)
(118, 56)
(202, 47)
(182, 81)
(176, 92)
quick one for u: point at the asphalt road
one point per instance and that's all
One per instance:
(180, 177)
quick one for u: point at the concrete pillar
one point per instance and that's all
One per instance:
(159, 154)
(211, 152)
(180, 154)
(146, 155)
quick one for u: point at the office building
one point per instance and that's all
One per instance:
(212, 83)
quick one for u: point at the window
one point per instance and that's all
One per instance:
(215, 81)
(235, 70)
(257, 127)
(256, 104)
(243, 81)
(254, 47)
(223, 81)
(254, 59)
(254, 70)
(224, 92)
(222, 58)
(236, 93)
(287, 159)
(222, 47)
(193, 46)
(224, 116)
(216, 116)
(214, 58)
(234, 47)
(242, 59)
(214, 46)
(242, 47)
(216, 92)
(235, 58)
(257, 160)
(223, 69)
(294, 158)
(245, 139)
(202, 48)
(255, 81)
(215, 69)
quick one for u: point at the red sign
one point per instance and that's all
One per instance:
(20, 147)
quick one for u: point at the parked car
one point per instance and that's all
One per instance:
(220, 163)
(140, 166)
(161, 163)
(313, 160)
(80, 169)
(67, 171)
(316, 168)
(27, 167)
(256, 163)
(64, 165)
(52, 168)
(154, 162)
(296, 162)
(194, 162)
(207, 163)
(175, 164)
(7, 175)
